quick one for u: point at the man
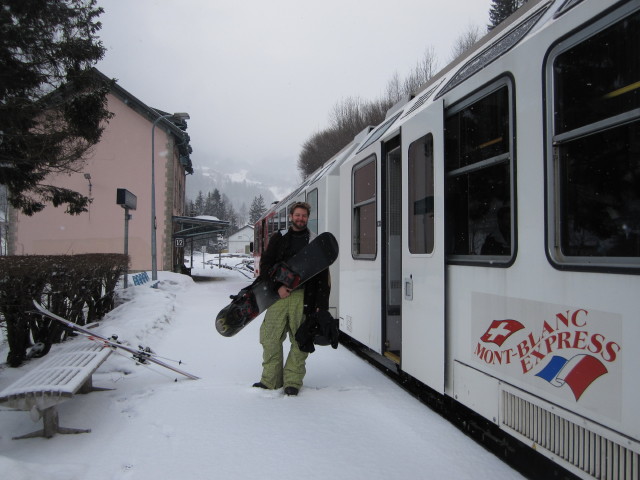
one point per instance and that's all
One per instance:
(287, 314)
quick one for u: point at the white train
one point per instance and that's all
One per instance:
(490, 233)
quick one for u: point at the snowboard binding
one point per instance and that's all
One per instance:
(281, 273)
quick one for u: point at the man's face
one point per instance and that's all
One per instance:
(299, 219)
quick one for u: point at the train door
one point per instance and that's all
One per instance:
(423, 282)
(392, 250)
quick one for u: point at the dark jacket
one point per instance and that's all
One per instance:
(279, 249)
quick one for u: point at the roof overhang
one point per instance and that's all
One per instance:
(194, 227)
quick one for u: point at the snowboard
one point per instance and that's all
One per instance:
(251, 301)
(142, 355)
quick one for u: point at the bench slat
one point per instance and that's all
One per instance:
(58, 378)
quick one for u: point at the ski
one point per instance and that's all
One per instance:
(142, 355)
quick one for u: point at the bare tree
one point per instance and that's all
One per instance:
(394, 89)
(319, 148)
(425, 68)
(374, 112)
(346, 114)
(465, 41)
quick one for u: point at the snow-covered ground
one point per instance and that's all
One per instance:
(348, 422)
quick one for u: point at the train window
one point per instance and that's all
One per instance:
(283, 219)
(364, 207)
(312, 199)
(599, 78)
(478, 164)
(421, 216)
(595, 117)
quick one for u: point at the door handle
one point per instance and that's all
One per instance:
(408, 288)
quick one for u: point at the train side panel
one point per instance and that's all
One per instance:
(530, 317)
(490, 234)
(529, 322)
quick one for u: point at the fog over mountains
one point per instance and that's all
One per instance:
(236, 187)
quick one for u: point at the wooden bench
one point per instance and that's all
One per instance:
(56, 380)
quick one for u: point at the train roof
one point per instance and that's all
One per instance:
(531, 16)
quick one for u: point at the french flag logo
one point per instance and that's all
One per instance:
(578, 372)
(500, 330)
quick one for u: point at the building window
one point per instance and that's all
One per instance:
(478, 182)
(420, 210)
(594, 152)
(364, 209)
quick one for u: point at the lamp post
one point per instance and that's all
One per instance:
(154, 262)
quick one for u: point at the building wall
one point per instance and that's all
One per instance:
(122, 159)
(174, 204)
(239, 241)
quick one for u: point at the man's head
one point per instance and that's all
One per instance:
(299, 214)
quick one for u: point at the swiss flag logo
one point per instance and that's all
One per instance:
(500, 330)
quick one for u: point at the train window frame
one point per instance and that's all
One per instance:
(484, 245)
(357, 206)
(565, 168)
(418, 209)
(312, 199)
(272, 225)
(258, 234)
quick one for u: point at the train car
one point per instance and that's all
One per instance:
(490, 234)
(321, 190)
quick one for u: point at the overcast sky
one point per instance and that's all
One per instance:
(259, 77)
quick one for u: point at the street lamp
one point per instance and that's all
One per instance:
(154, 262)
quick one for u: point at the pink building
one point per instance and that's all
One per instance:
(122, 159)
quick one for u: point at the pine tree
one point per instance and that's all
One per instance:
(501, 9)
(199, 205)
(52, 101)
(208, 205)
(257, 209)
(232, 218)
(224, 208)
(215, 205)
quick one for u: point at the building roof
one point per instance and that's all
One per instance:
(173, 125)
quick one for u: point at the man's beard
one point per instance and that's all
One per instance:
(300, 225)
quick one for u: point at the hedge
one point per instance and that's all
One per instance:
(80, 288)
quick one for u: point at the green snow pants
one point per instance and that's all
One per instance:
(284, 316)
